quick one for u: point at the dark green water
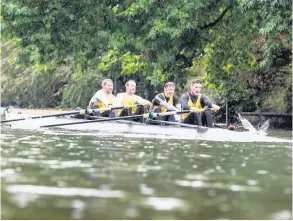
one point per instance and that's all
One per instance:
(73, 176)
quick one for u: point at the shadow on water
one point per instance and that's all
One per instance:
(68, 175)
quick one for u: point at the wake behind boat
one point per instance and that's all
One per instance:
(129, 128)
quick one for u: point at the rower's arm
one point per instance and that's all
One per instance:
(216, 107)
(164, 104)
(140, 100)
(184, 102)
(177, 103)
(205, 101)
(210, 104)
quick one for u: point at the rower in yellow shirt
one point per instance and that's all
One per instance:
(129, 100)
(103, 98)
(195, 101)
(167, 101)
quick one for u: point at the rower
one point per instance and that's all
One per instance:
(167, 101)
(129, 100)
(103, 98)
(194, 100)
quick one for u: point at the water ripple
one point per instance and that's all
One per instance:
(71, 191)
(165, 203)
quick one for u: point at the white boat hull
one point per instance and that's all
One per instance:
(129, 127)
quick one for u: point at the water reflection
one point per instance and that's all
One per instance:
(86, 176)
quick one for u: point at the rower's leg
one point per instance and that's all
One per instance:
(189, 119)
(139, 111)
(197, 119)
(112, 114)
(157, 110)
(207, 118)
(108, 113)
(129, 113)
(124, 112)
(98, 114)
(104, 114)
(170, 118)
(146, 109)
(193, 118)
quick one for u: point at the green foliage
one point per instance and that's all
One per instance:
(224, 43)
(246, 45)
(35, 86)
(80, 90)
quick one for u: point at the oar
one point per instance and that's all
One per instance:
(219, 126)
(147, 115)
(200, 128)
(86, 111)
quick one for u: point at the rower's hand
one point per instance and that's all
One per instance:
(194, 109)
(148, 104)
(126, 105)
(216, 107)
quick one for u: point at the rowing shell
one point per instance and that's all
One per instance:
(181, 131)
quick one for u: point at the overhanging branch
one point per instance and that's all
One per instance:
(220, 17)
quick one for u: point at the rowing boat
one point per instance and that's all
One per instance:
(125, 127)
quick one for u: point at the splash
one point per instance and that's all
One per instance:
(264, 128)
(248, 126)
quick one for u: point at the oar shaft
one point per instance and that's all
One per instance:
(18, 119)
(113, 119)
(93, 121)
(177, 124)
(43, 116)
(147, 115)
(64, 114)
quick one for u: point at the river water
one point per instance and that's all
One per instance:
(70, 175)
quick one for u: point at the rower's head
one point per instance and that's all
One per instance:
(195, 87)
(130, 87)
(107, 85)
(169, 89)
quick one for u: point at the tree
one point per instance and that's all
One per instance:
(233, 41)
